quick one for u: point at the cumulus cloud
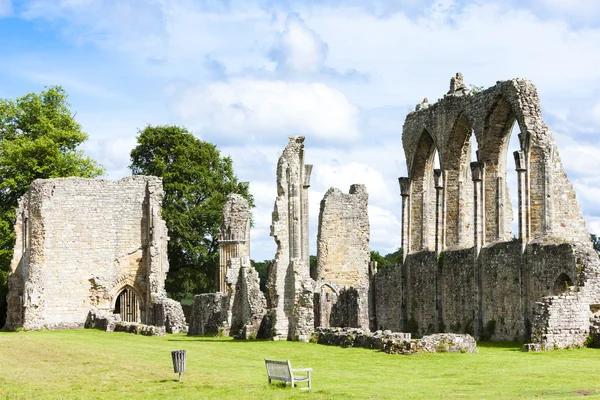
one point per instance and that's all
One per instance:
(299, 49)
(258, 110)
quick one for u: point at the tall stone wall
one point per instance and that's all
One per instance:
(343, 254)
(495, 282)
(79, 243)
(289, 286)
(388, 298)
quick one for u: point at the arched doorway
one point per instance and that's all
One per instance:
(127, 305)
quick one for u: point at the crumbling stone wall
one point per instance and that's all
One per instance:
(289, 286)
(239, 308)
(234, 236)
(343, 255)
(464, 270)
(79, 244)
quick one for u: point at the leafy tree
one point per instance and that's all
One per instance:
(596, 242)
(381, 261)
(39, 138)
(395, 257)
(262, 267)
(196, 182)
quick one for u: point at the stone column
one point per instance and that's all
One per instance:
(525, 141)
(439, 178)
(405, 193)
(521, 168)
(478, 176)
(305, 235)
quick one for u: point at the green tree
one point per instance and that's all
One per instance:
(262, 267)
(39, 138)
(395, 257)
(381, 261)
(196, 182)
(595, 242)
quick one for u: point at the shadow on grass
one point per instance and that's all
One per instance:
(507, 346)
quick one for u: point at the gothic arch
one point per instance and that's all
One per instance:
(493, 151)
(423, 194)
(459, 186)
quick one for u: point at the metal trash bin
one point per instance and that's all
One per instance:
(178, 362)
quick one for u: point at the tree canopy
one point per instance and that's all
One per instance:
(196, 182)
(39, 138)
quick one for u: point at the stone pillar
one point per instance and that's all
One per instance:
(439, 179)
(234, 236)
(478, 176)
(289, 287)
(525, 141)
(305, 233)
(405, 193)
(521, 168)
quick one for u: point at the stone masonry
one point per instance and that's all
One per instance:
(239, 307)
(88, 246)
(234, 237)
(343, 256)
(289, 286)
(464, 271)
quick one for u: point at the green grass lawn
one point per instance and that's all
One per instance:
(96, 364)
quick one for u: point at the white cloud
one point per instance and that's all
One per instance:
(299, 49)
(253, 109)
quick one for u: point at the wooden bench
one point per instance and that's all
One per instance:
(283, 371)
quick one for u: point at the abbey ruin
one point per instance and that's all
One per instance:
(88, 246)
(94, 248)
(463, 270)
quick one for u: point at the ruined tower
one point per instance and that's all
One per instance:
(289, 287)
(343, 254)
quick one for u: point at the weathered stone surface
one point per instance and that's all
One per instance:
(250, 304)
(343, 255)
(139, 329)
(395, 342)
(234, 236)
(289, 286)
(437, 343)
(174, 317)
(207, 315)
(463, 272)
(239, 307)
(80, 243)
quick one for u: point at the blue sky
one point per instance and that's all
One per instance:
(247, 74)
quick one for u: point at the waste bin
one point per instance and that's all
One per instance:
(178, 362)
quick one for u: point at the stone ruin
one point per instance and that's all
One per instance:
(463, 270)
(90, 251)
(342, 284)
(238, 307)
(93, 252)
(289, 311)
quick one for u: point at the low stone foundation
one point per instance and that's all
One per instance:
(139, 329)
(395, 342)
